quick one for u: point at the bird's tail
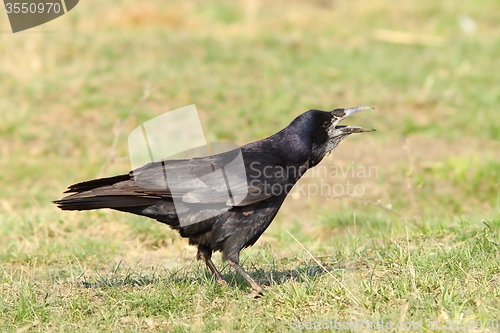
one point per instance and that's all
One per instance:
(103, 193)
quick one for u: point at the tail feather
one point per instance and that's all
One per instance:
(92, 184)
(75, 202)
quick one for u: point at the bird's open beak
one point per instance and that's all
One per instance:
(353, 129)
(342, 114)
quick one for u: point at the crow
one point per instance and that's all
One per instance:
(198, 210)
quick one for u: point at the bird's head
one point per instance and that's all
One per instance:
(338, 133)
(315, 133)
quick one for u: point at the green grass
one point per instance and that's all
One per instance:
(421, 244)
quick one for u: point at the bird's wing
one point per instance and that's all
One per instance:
(221, 178)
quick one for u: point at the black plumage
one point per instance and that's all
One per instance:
(273, 165)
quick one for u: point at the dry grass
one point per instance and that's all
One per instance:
(416, 246)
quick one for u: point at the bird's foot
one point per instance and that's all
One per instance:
(256, 293)
(222, 283)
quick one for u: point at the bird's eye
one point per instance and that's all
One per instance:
(326, 124)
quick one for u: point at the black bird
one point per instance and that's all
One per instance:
(198, 210)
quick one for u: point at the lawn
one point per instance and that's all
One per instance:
(414, 242)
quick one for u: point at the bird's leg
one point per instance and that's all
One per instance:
(205, 254)
(255, 286)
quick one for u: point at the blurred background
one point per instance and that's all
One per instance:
(72, 90)
(429, 68)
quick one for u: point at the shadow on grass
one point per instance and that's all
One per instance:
(197, 274)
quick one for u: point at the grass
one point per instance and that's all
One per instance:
(421, 244)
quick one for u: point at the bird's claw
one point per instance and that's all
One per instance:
(222, 283)
(256, 293)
